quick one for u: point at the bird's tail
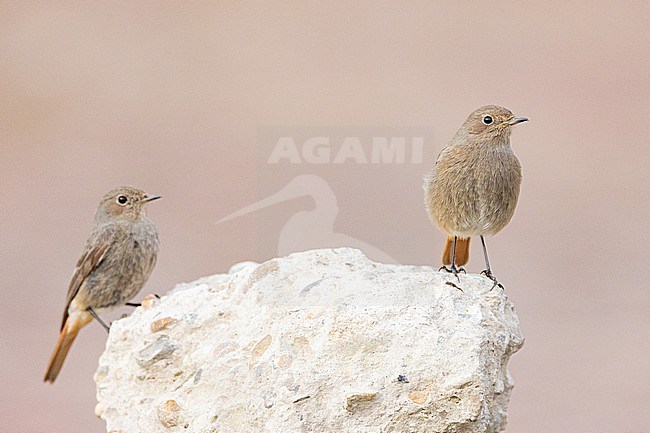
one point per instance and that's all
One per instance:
(462, 251)
(71, 328)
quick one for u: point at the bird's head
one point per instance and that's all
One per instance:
(124, 203)
(490, 121)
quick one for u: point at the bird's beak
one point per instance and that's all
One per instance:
(150, 197)
(516, 120)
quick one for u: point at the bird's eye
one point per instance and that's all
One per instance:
(488, 120)
(122, 199)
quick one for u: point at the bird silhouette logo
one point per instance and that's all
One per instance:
(311, 229)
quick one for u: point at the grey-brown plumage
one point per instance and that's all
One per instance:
(474, 186)
(117, 261)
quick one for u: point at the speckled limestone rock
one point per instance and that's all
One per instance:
(319, 341)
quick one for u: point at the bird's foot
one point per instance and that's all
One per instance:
(452, 269)
(488, 273)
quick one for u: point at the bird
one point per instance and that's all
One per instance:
(119, 256)
(474, 185)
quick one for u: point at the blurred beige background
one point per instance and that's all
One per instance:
(171, 97)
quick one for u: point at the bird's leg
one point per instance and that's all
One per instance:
(100, 321)
(453, 257)
(453, 269)
(488, 272)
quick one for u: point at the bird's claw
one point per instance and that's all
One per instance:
(452, 269)
(488, 273)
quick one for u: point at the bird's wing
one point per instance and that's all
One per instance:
(442, 153)
(93, 255)
(428, 178)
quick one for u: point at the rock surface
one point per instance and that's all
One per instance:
(319, 341)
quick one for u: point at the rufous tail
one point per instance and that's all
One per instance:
(462, 251)
(71, 328)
